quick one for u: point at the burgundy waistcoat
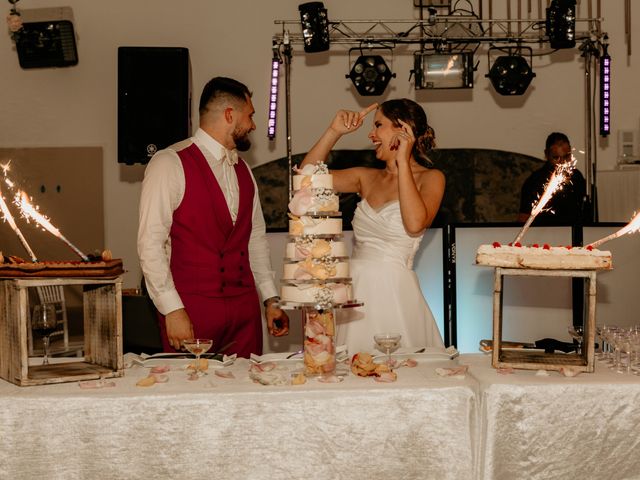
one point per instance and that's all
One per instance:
(209, 254)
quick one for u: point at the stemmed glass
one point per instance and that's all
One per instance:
(601, 353)
(387, 342)
(44, 322)
(198, 346)
(577, 332)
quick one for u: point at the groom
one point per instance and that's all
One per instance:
(201, 238)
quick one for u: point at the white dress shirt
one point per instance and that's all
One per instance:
(162, 191)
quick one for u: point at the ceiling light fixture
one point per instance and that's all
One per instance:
(436, 70)
(511, 74)
(370, 73)
(315, 27)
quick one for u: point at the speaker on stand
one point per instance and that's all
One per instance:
(154, 100)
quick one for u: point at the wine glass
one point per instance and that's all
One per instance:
(198, 346)
(44, 322)
(387, 342)
(577, 332)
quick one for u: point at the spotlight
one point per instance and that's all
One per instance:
(605, 92)
(443, 71)
(315, 26)
(47, 44)
(370, 75)
(273, 93)
(511, 74)
(561, 23)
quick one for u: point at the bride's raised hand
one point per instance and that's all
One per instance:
(347, 121)
(402, 142)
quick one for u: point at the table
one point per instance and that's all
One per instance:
(422, 426)
(487, 426)
(554, 427)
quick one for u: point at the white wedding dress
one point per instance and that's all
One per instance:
(381, 269)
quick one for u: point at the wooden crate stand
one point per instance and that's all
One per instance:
(102, 310)
(535, 360)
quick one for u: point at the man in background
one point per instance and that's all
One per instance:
(567, 206)
(201, 238)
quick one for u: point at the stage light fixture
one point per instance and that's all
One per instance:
(561, 23)
(433, 70)
(47, 44)
(605, 92)
(315, 26)
(273, 93)
(511, 74)
(370, 75)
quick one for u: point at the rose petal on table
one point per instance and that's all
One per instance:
(262, 367)
(225, 373)
(330, 379)
(409, 362)
(386, 377)
(146, 381)
(161, 377)
(299, 379)
(569, 371)
(362, 364)
(542, 373)
(160, 369)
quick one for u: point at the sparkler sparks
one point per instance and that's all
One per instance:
(28, 211)
(557, 181)
(12, 223)
(631, 227)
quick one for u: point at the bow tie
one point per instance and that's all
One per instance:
(230, 156)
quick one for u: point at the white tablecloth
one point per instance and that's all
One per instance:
(422, 426)
(533, 427)
(487, 426)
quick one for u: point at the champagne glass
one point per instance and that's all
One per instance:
(577, 332)
(387, 342)
(198, 346)
(44, 322)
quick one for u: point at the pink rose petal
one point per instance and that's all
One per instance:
(386, 377)
(160, 369)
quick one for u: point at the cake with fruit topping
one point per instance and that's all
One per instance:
(543, 257)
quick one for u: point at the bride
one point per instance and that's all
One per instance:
(398, 204)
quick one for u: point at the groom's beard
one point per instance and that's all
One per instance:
(241, 139)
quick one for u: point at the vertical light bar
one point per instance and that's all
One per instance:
(605, 93)
(273, 94)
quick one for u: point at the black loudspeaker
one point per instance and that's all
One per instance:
(154, 100)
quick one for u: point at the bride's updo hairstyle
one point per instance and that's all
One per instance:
(410, 112)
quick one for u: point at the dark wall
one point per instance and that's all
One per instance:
(483, 186)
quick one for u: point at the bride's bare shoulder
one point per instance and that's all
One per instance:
(431, 177)
(432, 174)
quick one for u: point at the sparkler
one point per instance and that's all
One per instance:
(29, 211)
(558, 179)
(631, 227)
(12, 223)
